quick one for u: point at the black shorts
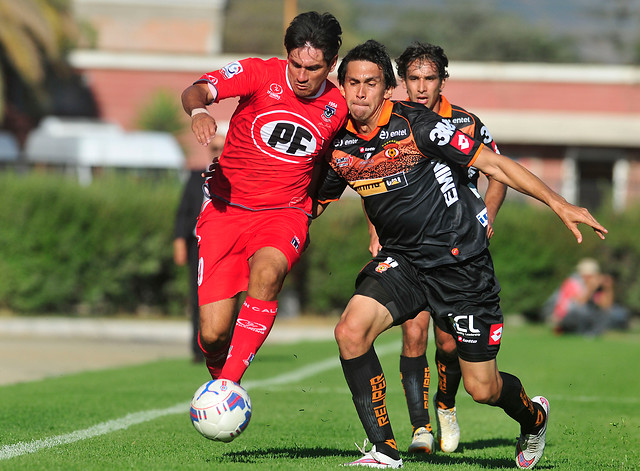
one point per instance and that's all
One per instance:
(463, 299)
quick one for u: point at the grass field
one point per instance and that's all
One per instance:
(303, 417)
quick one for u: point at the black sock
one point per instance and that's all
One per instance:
(449, 375)
(368, 390)
(414, 372)
(515, 402)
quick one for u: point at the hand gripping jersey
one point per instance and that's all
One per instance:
(274, 137)
(411, 172)
(469, 124)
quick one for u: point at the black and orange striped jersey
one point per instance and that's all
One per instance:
(411, 172)
(469, 124)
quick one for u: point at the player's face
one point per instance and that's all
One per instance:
(307, 70)
(365, 92)
(423, 84)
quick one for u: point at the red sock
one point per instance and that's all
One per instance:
(214, 360)
(254, 323)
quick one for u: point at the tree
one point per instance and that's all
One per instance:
(34, 37)
(471, 31)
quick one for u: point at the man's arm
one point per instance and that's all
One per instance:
(493, 199)
(318, 208)
(196, 97)
(519, 178)
(374, 241)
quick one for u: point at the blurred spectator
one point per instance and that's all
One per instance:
(185, 244)
(585, 303)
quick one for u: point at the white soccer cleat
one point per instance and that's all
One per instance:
(448, 429)
(374, 459)
(422, 441)
(530, 447)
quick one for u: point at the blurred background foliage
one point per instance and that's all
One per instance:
(492, 30)
(106, 249)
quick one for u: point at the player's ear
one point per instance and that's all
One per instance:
(388, 93)
(332, 64)
(341, 87)
(443, 82)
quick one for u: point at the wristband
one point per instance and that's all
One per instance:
(196, 111)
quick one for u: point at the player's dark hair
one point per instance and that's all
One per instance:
(320, 31)
(370, 51)
(423, 52)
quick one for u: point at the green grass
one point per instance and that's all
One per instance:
(310, 423)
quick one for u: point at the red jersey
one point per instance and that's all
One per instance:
(274, 137)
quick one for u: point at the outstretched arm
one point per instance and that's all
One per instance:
(519, 178)
(195, 98)
(493, 199)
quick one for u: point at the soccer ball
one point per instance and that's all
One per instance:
(220, 410)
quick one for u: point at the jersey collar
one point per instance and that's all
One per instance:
(383, 120)
(445, 108)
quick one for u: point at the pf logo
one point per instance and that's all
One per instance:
(286, 136)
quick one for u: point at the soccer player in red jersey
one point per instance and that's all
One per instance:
(254, 225)
(410, 166)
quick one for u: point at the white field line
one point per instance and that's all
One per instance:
(24, 448)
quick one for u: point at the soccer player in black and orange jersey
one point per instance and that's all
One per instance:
(422, 69)
(410, 166)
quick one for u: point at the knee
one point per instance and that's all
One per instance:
(447, 347)
(212, 338)
(445, 343)
(483, 393)
(414, 343)
(352, 342)
(215, 331)
(345, 335)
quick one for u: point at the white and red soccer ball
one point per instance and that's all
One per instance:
(220, 410)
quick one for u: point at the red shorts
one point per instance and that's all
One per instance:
(228, 236)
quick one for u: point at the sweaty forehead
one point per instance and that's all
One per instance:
(422, 67)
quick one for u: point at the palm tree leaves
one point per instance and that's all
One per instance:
(34, 34)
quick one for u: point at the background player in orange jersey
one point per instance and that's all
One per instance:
(422, 69)
(254, 226)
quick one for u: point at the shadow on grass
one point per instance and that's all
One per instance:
(457, 458)
(256, 456)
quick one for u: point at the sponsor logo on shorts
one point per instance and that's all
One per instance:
(384, 266)
(200, 270)
(296, 243)
(495, 334)
(464, 327)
